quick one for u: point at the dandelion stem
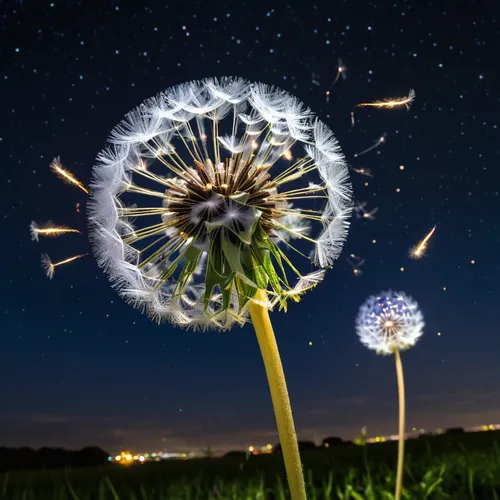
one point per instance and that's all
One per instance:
(401, 441)
(279, 395)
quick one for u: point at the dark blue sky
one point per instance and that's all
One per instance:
(80, 367)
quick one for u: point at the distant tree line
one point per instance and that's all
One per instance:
(49, 458)
(333, 441)
(309, 445)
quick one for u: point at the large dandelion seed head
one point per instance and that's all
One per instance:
(211, 190)
(389, 321)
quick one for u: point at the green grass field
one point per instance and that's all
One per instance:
(442, 467)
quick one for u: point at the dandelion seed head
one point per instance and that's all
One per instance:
(389, 321)
(188, 235)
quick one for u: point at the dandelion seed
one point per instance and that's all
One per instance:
(49, 267)
(341, 71)
(371, 214)
(362, 213)
(391, 103)
(356, 264)
(49, 230)
(418, 251)
(362, 171)
(66, 175)
(374, 146)
(353, 122)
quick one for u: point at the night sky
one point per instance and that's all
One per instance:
(79, 367)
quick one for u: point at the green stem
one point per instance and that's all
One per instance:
(401, 441)
(279, 395)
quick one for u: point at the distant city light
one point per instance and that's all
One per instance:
(126, 458)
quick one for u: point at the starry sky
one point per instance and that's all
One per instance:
(79, 367)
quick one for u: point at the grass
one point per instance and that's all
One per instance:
(445, 467)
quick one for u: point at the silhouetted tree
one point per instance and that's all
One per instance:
(27, 458)
(454, 430)
(92, 455)
(303, 445)
(333, 441)
(426, 435)
(236, 454)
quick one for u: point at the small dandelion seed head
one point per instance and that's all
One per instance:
(47, 266)
(246, 169)
(389, 321)
(34, 231)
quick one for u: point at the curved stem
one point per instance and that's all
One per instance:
(401, 441)
(279, 395)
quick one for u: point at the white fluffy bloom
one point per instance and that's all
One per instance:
(389, 321)
(196, 187)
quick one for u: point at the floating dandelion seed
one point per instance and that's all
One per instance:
(356, 263)
(362, 213)
(52, 230)
(66, 175)
(371, 214)
(362, 171)
(391, 103)
(49, 267)
(49, 230)
(374, 146)
(418, 251)
(197, 235)
(353, 121)
(341, 71)
(388, 323)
